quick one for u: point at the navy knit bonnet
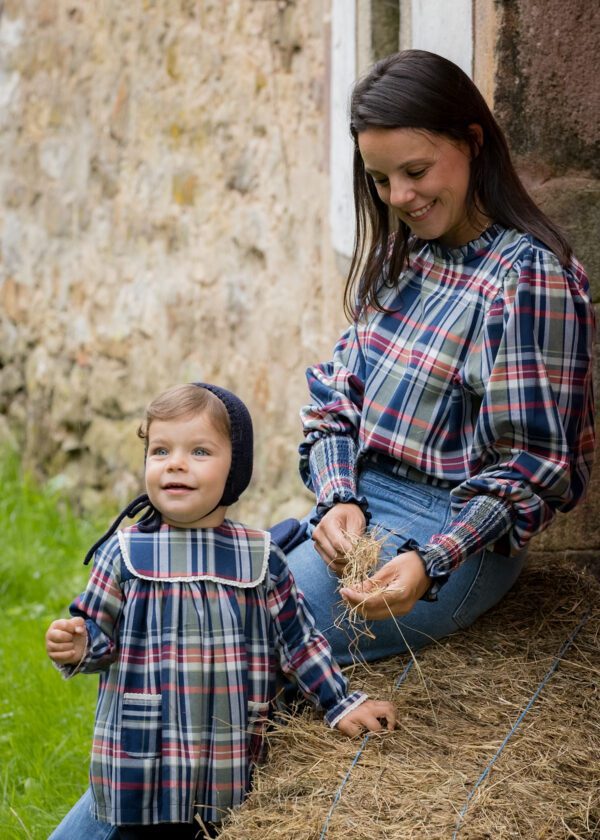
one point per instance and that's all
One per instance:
(242, 439)
(240, 472)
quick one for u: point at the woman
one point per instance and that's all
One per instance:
(457, 412)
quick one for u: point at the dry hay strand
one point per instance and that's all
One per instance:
(413, 783)
(362, 559)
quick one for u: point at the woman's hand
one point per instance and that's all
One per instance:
(330, 537)
(393, 590)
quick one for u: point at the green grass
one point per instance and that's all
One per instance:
(45, 722)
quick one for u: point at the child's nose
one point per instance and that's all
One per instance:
(177, 461)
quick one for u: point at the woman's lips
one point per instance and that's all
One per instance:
(421, 212)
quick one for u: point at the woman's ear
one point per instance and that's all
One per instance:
(476, 132)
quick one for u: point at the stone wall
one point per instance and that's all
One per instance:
(163, 191)
(547, 98)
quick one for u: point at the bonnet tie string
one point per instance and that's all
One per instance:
(150, 521)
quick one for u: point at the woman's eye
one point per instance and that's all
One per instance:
(418, 174)
(380, 182)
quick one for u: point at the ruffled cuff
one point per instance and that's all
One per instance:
(341, 709)
(480, 523)
(338, 499)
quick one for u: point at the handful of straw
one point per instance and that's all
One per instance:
(361, 561)
(362, 558)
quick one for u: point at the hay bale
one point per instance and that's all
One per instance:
(454, 714)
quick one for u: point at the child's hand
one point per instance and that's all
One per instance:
(66, 641)
(368, 715)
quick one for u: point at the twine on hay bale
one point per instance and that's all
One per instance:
(413, 783)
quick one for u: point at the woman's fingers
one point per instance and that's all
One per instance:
(378, 604)
(331, 534)
(392, 591)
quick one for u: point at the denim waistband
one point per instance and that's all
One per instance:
(391, 466)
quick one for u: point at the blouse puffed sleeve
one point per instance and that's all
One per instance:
(533, 445)
(331, 421)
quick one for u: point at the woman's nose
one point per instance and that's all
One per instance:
(401, 193)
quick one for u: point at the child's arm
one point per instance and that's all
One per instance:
(305, 655)
(98, 610)
(367, 716)
(66, 641)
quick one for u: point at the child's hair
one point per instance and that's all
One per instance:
(421, 90)
(186, 401)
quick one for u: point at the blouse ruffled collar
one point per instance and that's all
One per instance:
(463, 253)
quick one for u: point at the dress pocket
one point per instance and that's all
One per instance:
(141, 725)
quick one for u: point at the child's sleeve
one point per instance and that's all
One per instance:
(304, 653)
(100, 606)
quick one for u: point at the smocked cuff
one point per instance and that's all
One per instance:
(332, 465)
(480, 523)
(341, 709)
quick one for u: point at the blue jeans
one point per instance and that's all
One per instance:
(79, 824)
(403, 510)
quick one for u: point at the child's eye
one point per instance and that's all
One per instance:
(160, 451)
(199, 452)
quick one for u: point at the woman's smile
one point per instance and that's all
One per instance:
(422, 212)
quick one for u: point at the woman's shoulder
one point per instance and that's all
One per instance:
(539, 266)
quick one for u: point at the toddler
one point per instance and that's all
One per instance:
(187, 616)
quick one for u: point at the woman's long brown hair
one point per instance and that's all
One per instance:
(422, 90)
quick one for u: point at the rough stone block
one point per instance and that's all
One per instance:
(574, 203)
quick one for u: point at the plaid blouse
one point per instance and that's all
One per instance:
(479, 378)
(186, 628)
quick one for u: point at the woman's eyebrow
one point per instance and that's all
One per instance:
(404, 165)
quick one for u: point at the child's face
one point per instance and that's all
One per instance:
(187, 466)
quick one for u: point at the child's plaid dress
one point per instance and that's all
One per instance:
(187, 628)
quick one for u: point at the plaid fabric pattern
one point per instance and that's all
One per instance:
(479, 378)
(186, 628)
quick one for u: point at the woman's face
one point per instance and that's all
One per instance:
(423, 177)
